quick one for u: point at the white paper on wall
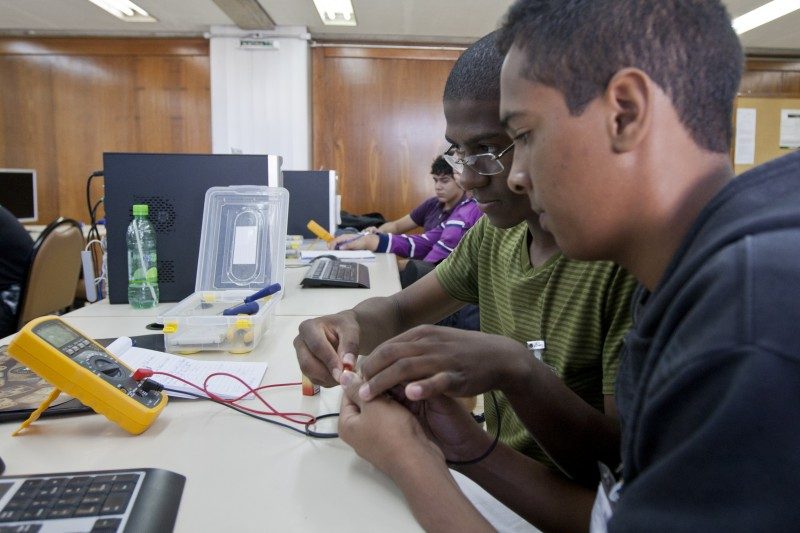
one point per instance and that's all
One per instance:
(745, 148)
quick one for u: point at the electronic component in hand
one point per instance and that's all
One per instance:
(77, 365)
(331, 272)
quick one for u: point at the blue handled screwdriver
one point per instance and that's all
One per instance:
(266, 291)
(251, 305)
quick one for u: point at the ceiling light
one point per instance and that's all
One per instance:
(125, 10)
(764, 14)
(336, 12)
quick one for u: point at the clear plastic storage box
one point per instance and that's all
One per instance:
(242, 250)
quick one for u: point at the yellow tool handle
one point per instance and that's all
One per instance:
(319, 231)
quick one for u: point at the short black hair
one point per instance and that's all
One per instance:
(476, 73)
(687, 47)
(440, 167)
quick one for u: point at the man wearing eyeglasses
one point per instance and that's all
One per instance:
(572, 314)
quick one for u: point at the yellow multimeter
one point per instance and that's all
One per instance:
(77, 365)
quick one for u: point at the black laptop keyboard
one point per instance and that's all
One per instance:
(328, 272)
(108, 501)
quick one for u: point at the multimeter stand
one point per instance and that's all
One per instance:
(38, 412)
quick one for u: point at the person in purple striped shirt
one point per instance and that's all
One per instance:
(434, 210)
(456, 215)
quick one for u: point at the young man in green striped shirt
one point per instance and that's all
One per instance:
(526, 291)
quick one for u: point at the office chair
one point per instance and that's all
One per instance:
(53, 275)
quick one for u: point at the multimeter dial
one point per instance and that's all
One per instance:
(102, 365)
(106, 366)
(89, 355)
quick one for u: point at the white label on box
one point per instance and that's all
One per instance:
(245, 245)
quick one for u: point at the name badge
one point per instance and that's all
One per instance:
(606, 500)
(537, 347)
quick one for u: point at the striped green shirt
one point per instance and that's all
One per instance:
(581, 309)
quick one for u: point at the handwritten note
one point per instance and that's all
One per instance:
(195, 371)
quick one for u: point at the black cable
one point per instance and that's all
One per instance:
(93, 175)
(320, 435)
(93, 232)
(308, 431)
(491, 448)
(317, 434)
(93, 212)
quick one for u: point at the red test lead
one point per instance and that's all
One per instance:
(142, 373)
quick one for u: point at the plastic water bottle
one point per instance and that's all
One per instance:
(142, 271)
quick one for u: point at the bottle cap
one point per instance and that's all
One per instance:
(140, 210)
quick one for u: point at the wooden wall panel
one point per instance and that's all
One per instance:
(778, 78)
(377, 118)
(377, 113)
(378, 121)
(767, 85)
(66, 101)
(26, 131)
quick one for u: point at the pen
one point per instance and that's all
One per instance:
(360, 234)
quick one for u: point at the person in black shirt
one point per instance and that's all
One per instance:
(621, 116)
(16, 247)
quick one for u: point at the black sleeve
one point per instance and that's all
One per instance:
(712, 442)
(16, 245)
(720, 449)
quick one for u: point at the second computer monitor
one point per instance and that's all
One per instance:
(312, 196)
(18, 193)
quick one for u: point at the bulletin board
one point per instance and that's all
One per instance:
(767, 128)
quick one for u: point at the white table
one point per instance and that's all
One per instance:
(242, 474)
(297, 300)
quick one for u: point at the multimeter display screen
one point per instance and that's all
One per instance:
(56, 334)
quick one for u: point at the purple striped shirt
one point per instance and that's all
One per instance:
(437, 243)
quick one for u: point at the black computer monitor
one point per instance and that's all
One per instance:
(174, 187)
(18, 193)
(312, 196)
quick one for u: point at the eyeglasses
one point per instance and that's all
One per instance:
(487, 164)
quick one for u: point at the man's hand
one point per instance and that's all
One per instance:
(382, 431)
(321, 344)
(387, 435)
(350, 241)
(449, 425)
(434, 360)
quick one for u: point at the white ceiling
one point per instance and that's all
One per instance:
(430, 21)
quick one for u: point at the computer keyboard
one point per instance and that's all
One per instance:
(134, 500)
(331, 272)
